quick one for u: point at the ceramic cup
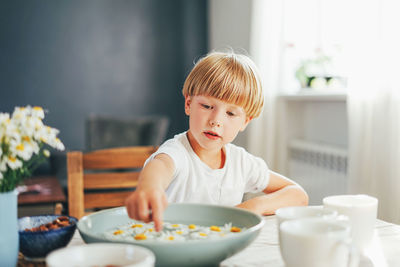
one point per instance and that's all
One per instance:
(361, 211)
(101, 254)
(317, 242)
(299, 212)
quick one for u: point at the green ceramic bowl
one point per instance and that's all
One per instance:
(187, 253)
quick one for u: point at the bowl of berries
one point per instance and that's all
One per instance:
(39, 235)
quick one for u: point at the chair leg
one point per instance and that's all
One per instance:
(58, 209)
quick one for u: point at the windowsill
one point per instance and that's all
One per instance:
(316, 95)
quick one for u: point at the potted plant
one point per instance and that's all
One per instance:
(23, 141)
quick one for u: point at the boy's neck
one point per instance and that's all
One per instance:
(213, 159)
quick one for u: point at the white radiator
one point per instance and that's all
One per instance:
(320, 169)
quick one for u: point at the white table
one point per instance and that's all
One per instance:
(264, 251)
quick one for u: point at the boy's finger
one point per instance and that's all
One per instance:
(130, 208)
(143, 210)
(135, 211)
(157, 210)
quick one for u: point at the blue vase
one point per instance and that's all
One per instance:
(9, 243)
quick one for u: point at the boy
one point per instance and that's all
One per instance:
(223, 93)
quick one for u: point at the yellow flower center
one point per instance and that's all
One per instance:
(38, 108)
(26, 138)
(192, 226)
(140, 237)
(202, 234)
(136, 225)
(235, 229)
(215, 228)
(118, 232)
(171, 238)
(12, 159)
(20, 147)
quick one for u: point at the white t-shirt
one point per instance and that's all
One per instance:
(194, 181)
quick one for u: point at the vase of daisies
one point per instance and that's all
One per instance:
(24, 143)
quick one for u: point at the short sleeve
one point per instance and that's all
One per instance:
(173, 149)
(256, 172)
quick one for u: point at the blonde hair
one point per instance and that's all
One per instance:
(230, 77)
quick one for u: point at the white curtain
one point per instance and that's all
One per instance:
(374, 104)
(265, 49)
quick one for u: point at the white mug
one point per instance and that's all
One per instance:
(361, 211)
(101, 254)
(317, 242)
(299, 212)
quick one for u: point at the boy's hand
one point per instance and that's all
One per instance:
(149, 200)
(147, 204)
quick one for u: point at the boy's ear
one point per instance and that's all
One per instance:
(188, 101)
(247, 121)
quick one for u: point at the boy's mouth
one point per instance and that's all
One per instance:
(211, 135)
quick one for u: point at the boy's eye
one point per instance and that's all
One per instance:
(230, 113)
(205, 106)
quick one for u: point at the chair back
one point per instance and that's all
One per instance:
(103, 132)
(95, 179)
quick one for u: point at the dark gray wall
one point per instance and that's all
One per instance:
(75, 58)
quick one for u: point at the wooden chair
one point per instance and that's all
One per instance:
(108, 164)
(104, 132)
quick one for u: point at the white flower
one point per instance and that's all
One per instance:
(4, 118)
(13, 162)
(38, 112)
(45, 134)
(49, 136)
(23, 151)
(20, 113)
(58, 144)
(12, 131)
(28, 127)
(4, 121)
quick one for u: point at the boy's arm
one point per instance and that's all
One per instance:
(148, 201)
(280, 192)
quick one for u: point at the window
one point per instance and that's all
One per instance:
(314, 34)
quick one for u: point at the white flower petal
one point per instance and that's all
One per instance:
(3, 165)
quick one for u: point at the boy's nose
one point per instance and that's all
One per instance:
(213, 123)
(216, 118)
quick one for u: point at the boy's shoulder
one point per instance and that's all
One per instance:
(177, 148)
(237, 151)
(240, 153)
(235, 148)
(178, 141)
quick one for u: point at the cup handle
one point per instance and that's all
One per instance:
(354, 253)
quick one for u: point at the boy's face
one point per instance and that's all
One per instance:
(212, 122)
